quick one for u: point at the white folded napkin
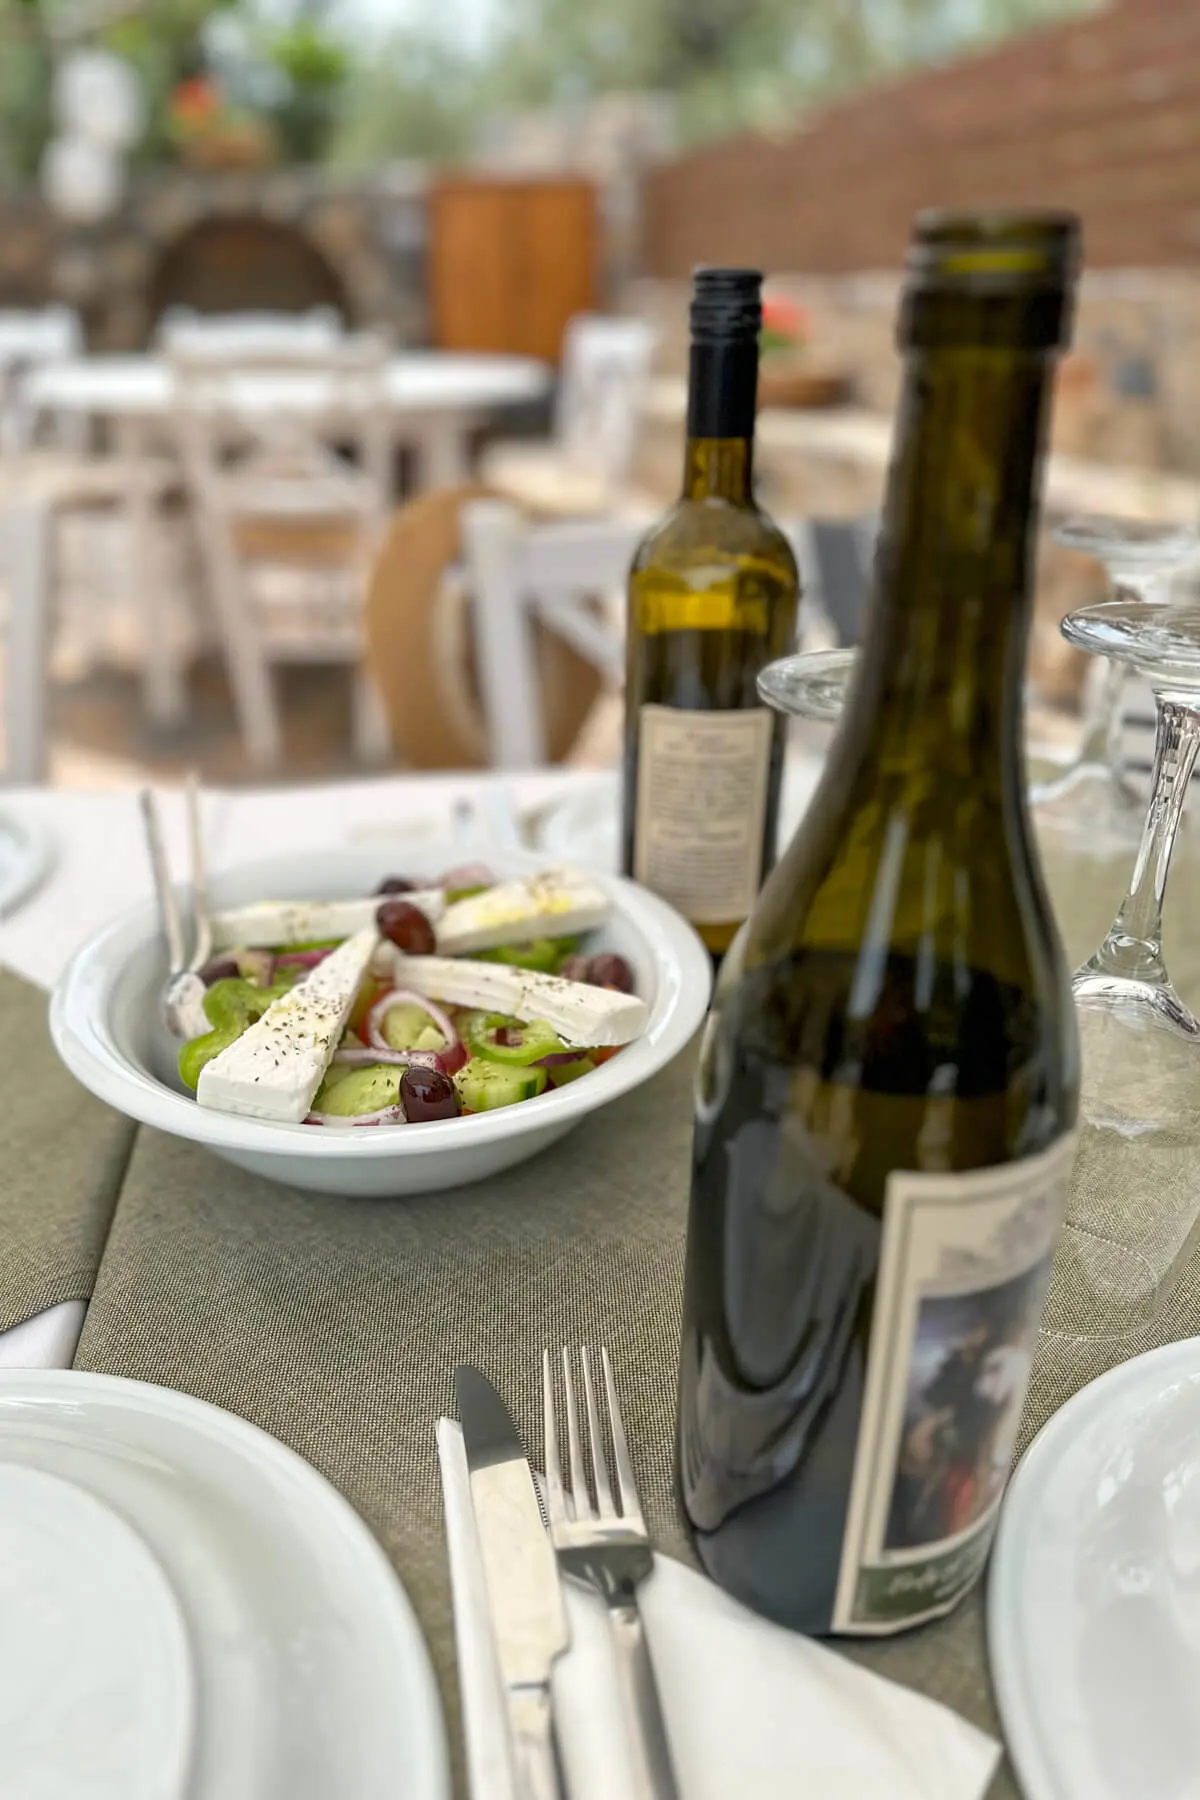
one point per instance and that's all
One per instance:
(751, 1709)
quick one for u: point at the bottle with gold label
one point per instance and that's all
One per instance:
(888, 1085)
(712, 600)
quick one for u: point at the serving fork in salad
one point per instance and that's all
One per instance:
(182, 999)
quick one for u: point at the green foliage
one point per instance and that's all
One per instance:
(413, 97)
(25, 121)
(730, 64)
(314, 65)
(736, 64)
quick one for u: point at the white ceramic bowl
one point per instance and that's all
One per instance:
(104, 1018)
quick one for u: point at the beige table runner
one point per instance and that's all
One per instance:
(62, 1159)
(336, 1326)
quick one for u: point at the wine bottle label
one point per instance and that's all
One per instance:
(964, 1262)
(701, 808)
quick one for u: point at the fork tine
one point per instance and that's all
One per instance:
(168, 906)
(580, 1497)
(627, 1486)
(198, 873)
(556, 1501)
(604, 1499)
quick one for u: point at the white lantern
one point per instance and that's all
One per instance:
(97, 96)
(82, 179)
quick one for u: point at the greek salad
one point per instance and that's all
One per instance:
(422, 1001)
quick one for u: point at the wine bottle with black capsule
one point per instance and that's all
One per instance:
(888, 1085)
(712, 599)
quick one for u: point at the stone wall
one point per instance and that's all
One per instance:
(1128, 395)
(294, 239)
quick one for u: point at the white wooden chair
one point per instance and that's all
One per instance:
(28, 340)
(834, 558)
(288, 526)
(183, 330)
(571, 576)
(25, 584)
(588, 463)
(568, 574)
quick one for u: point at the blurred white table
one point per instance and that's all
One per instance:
(436, 398)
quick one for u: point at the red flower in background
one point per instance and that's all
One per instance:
(785, 324)
(194, 101)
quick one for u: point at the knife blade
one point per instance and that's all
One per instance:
(529, 1619)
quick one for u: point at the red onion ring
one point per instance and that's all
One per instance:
(406, 997)
(467, 875)
(557, 1057)
(454, 1057)
(363, 1056)
(301, 959)
(219, 968)
(387, 1115)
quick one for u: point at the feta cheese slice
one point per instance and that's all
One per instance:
(552, 903)
(274, 1069)
(583, 1016)
(271, 922)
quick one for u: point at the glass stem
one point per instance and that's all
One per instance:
(1103, 741)
(1133, 947)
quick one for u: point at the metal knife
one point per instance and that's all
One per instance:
(529, 1619)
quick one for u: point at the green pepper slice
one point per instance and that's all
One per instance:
(532, 1041)
(229, 1006)
(541, 954)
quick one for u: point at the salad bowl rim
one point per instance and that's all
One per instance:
(82, 1033)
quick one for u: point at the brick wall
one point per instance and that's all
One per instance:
(1101, 114)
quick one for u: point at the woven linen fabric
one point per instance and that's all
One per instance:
(336, 1325)
(62, 1159)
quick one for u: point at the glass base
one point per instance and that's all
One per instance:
(1133, 1212)
(1155, 1001)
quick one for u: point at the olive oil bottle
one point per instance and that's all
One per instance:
(888, 1085)
(712, 599)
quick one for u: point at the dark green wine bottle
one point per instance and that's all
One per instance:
(888, 1084)
(712, 600)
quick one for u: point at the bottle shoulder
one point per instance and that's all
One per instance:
(941, 873)
(694, 531)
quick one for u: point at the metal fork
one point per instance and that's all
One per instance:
(183, 991)
(610, 1549)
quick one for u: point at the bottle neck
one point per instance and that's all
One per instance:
(722, 396)
(944, 662)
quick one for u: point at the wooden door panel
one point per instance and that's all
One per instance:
(558, 237)
(510, 262)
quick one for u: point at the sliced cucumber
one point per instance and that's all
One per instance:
(359, 1090)
(562, 1073)
(408, 1027)
(484, 1085)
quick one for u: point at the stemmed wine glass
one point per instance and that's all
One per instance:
(1134, 1208)
(1092, 798)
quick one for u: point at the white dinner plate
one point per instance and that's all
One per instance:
(1094, 1595)
(585, 827)
(310, 1676)
(26, 852)
(96, 1691)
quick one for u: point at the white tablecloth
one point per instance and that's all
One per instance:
(422, 382)
(101, 868)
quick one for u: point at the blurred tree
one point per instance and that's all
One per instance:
(731, 64)
(741, 63)
(26, 69)
(162, 39)
(313, 64)
(414, 96)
